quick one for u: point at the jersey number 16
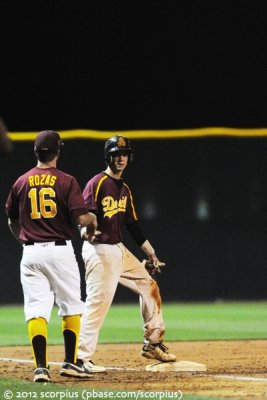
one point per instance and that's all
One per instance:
(42, 203)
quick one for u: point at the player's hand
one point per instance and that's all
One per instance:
(89, 233)
(153, 259)
(153, 265)
(92, 234)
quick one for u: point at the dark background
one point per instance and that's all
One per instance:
(124, 65)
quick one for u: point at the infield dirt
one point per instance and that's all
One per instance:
(236, 369)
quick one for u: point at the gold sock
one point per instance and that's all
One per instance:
(37, 329)
(71, 330)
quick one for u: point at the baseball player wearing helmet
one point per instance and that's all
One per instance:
(108, 262)
(41, 208)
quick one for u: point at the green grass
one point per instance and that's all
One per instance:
(214, 321)
(200, 321)
(21, 389)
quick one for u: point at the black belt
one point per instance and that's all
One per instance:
(60, 242)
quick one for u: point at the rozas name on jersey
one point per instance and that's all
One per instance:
(111, 206)
(42, 180)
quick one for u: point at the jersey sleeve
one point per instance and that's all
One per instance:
(89, 195)
(136, 233)
(12, 205)
(76, 201)
(131, 215)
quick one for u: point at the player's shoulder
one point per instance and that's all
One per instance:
(25, 175)
(101, 176)
(126, 185)
(65, 179)
(64, 174)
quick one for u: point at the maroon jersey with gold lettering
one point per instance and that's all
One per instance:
(45, 201)
(111, 200)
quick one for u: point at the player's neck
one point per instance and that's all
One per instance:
(48, 164)
(113, 174)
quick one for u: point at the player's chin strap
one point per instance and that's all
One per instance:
(152, 264)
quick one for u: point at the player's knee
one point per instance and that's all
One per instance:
(95, 298)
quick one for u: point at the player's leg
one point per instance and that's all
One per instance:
(38, 303)
(102, 270)
(37, 330)
(136, 278)
(71, 329)
(65, 277)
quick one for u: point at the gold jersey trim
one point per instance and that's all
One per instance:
(98, 187)
(132, 203)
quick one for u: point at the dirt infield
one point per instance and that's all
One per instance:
(236, 369)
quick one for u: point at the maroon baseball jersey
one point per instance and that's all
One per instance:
(45, 201)
(112, 202)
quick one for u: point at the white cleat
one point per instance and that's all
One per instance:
(41, 375)
(92, 368)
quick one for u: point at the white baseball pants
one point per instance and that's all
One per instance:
(106, 266)
(50, 274)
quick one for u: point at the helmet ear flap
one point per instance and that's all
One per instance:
(108, 158)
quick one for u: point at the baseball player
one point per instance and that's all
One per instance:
(41, 207)
(108, 262)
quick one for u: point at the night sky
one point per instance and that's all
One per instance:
(135, 64)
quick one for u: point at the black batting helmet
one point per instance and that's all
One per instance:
(117, 143)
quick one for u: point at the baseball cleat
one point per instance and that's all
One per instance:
(74, 371)
(41, 375)
(157, 351)
(90, 367)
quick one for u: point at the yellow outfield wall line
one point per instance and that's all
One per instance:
(147, 134)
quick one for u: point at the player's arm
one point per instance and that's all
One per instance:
(14, 226)
(153, 264)
(85, 220)
(87, 224)
(89, 195)
(138, 236)
(12, 213)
